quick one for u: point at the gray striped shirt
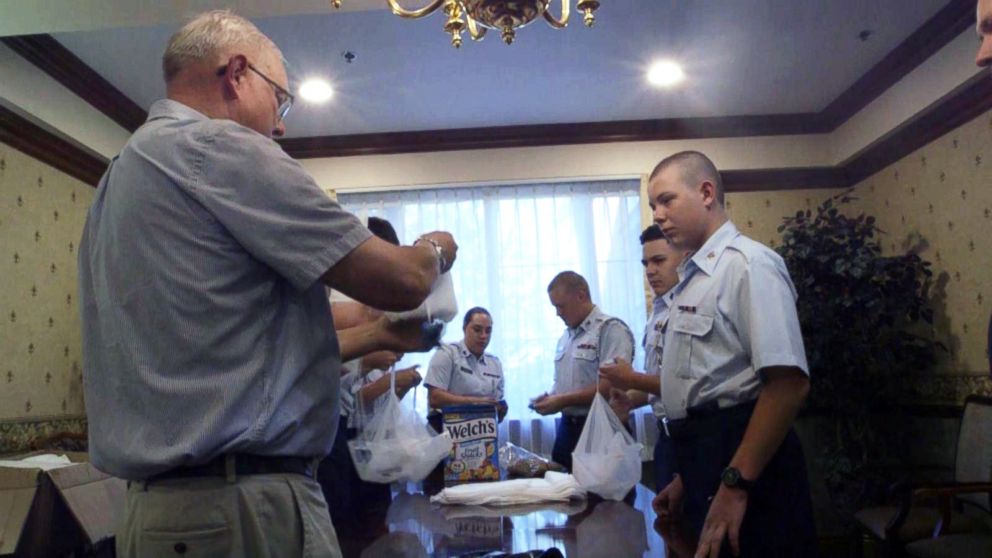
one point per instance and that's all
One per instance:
(205, 327)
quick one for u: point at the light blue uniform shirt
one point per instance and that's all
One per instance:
(206, 329)
(598, 339)
(654, 344)
(733, 313)
(456, 370)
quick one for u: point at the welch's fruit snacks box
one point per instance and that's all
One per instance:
(473, 456)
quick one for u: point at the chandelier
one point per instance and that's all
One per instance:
(505, 16)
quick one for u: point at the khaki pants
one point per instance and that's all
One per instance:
(253, 515)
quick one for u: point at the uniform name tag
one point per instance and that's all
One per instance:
(466, 370)
(487, 374)
(586, 346)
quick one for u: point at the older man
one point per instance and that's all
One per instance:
(211, 362)
(591, 338)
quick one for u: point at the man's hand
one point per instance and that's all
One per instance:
(408, 377)
(379, 360)
(546, 404)
(619, 374)
(723, 522)
(448, 246)
(621, 404)
(668, 503)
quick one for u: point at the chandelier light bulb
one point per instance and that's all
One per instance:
(316, 91)
(665, 73)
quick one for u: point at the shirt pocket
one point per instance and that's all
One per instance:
(586, 364)
(692, 330)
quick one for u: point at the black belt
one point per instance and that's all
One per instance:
(701, 414)
(244, 464)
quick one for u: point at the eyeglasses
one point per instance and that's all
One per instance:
(283, 97)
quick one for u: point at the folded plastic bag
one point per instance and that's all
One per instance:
(439, 305)
(606, 460)
(396, 444)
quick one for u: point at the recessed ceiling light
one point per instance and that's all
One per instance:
(316, 91)
(665, 73)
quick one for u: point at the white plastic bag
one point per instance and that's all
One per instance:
(396, 444)
(439, 305)
(606, 459)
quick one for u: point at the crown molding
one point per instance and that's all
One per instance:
(50, 148)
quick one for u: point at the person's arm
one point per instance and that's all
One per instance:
(553, 403)
(622, 376)
(404, 337)
(389, 277)
(442, 398)
(405, 380)
(766, 320)
(782, 395)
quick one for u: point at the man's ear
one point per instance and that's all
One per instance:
(233, 76)
(708, 191)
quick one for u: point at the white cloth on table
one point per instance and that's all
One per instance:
(554, 487)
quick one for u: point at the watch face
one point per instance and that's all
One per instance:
(731, 476)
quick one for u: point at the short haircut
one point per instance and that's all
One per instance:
(694, 168)
(384, 230)
(473, 311)
(570, 281)
(211, 34)
(651, 234)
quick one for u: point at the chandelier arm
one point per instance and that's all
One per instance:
(558, 23)
(477, 32)
(394, 5)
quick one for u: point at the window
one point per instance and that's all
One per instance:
(512, 240)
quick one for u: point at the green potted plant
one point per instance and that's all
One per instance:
(864, 317)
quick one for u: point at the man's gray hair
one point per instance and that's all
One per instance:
(209, 34)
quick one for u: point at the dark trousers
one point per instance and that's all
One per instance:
(664, 460)
(566, 438)
(357, 507)
(779, 517)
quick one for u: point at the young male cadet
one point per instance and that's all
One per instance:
(734, 375)
(592, 338)
(660, 260)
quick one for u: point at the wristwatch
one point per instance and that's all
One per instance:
(731, 478)
(437, 250)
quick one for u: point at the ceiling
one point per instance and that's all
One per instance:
(746, 57)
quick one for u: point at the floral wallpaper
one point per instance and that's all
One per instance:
(938, 200)
(42, 212)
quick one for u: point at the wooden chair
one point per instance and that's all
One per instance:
(934, 512)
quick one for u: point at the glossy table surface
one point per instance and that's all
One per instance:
(579, 528)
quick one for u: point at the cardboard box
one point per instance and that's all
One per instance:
(72, 509)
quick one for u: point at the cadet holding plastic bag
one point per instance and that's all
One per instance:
(606, 460)
(591, 338)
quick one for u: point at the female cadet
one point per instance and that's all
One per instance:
(463, 373)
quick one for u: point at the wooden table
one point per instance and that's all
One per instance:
(580, 528)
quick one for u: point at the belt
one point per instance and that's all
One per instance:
(700, 414)
(243, 464)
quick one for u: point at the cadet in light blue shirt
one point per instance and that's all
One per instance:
(464, 373)
(734, 375)
(210, 360)
(660, 261)
(592, 338)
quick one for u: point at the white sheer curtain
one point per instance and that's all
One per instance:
(512, 240)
